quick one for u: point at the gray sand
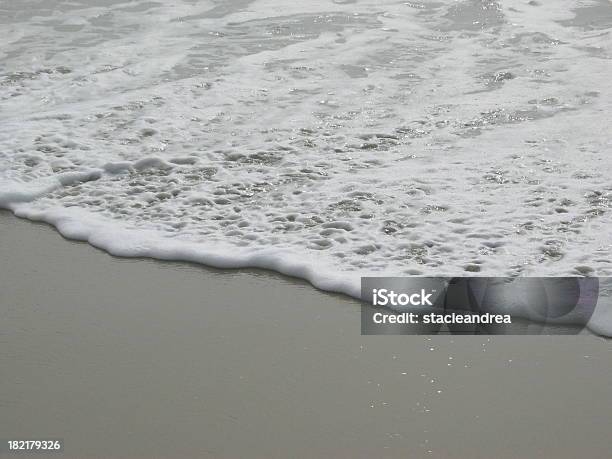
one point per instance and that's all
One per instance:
(141, 359)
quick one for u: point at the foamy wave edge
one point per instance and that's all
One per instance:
(77, 224)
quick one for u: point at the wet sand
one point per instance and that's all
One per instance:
(136, 358)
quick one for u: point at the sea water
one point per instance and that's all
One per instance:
(328, 139)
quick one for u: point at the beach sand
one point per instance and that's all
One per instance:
(136, 358)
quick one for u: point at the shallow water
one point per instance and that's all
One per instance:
(327, 140)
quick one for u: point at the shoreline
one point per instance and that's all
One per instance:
(134, 358)
(255, 270)
(133, 243)
(110, 243)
